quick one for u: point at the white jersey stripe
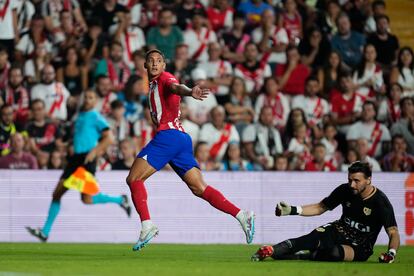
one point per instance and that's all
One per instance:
(157, 101)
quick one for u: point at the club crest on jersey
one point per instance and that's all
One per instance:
(367, 211)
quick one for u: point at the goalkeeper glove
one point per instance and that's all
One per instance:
(284, 209)
(388, 257)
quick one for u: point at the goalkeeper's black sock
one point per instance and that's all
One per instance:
(291, 246)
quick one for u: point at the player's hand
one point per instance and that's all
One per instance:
(91, 156)
(199, 93)
(387, 257)
(283, 209)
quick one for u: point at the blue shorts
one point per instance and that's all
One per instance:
(173, 147)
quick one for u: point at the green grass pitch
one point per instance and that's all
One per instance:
(176, 259)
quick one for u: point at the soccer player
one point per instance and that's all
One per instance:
(172, 145)
(92, 137)
(366, 210)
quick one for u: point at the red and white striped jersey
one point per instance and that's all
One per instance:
(164, 105)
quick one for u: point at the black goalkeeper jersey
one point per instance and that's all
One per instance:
(362, 219)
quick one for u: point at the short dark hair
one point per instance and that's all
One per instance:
(117, 104)
(35, 101)
(100, 76)
(154, 51)
(382, 16)
(362, 167)
(312, 78)
(370, 103)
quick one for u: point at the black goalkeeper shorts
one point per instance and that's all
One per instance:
(330, 235)
(75, 161)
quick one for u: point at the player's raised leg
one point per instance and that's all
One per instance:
(54, 208)
(139, 172)
(101, 198)
(194, 180)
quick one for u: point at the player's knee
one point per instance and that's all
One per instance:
(56, 196)
(197, 190)
(86, 199)
(131, 178)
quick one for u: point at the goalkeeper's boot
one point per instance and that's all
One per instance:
(264, 252)
(125, 205)
(38, 233)
(246, 219)
(146, 235)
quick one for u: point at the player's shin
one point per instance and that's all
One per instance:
(219, 201)
(52, 214)
(291, 246)
(139, 197)
(103, 198)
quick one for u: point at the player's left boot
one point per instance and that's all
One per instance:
(125, 205)
(37, 232)
(246, 220)
(146, 235)
(264, 252)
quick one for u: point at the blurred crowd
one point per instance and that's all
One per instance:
(305, 85)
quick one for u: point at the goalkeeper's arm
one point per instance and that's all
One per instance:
(284, 209)
(393, 244)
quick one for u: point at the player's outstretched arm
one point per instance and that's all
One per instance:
(106, 140)
(284, 209)
(393, 244)
(196, 92)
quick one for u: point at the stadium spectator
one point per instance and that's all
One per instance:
(33, 67)
(37, 34)
(358, 11)
(198, 36)
(131, 37)
(201, 154)
(328, 75)
(281, 163)
(296, 118)
(262, 140)
(4, 67)
(389, 110)
(327, 19)
(44, 135)
(16, 95)
(276, 100)
(150, 14)
(8, 24)
(234, 40)
(219, 72)
(351, 156)
(7, 128)
(165, 36)
(300, 147)
(405, 126)
(239, 107)
(398, 160)
(186, 10)
(363, 149)
(368, 76)
(69, 32)
(403, 73)
(346, 103)
(182, 66)
(377, 134)
(385, 43)
(139, 68)
(292, 21)
(119, 126)
(114, 67)
(190, 127)
(55, 161)
(348, 43)
(73, 74)
(127, 151)
(292, 75)
(377, 10)
(143, 129)
(253, 10)
(331, 144)
(319, 162)
(232, 160)
(94, 45)
(314, 49)
(25, 12)
(54, 94)
(218, 134)
(199, 110)
(110, 12)
(103, 89)
(314, 106)
(220, 15)
(52, 9)
(18, 158)
(253, 70)
(271, 38)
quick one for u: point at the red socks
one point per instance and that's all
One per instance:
(218, 201)
(139, 197)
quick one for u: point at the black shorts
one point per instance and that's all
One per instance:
(75, 161)
(330, 235)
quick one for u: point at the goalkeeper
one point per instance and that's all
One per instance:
(365, 210)
(91, 138)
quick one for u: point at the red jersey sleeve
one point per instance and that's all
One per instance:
(168, 79)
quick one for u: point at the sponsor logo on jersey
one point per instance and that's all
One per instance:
(357, 225)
